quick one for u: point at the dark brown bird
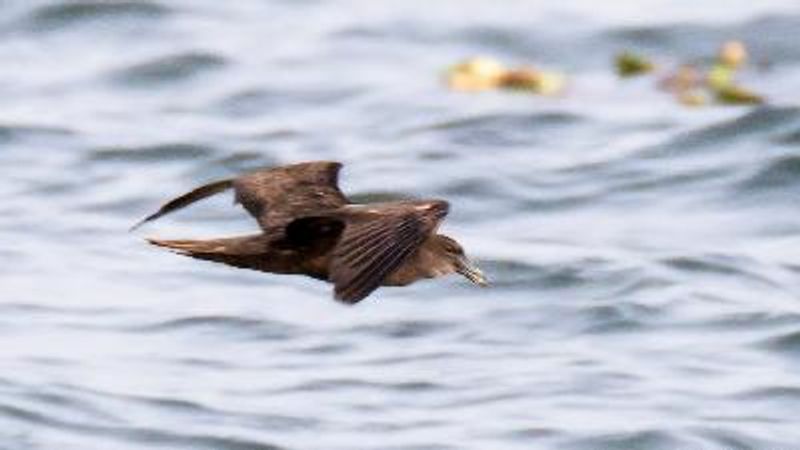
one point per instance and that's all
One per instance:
(310, 228)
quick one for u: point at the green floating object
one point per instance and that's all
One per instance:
(721, 76)
(738, 95)
(629, 64)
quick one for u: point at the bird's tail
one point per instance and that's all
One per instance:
(249, 252)
(187, 199)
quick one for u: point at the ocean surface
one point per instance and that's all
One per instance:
(644, 256)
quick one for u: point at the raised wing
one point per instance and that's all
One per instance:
(377, 239)
(187, 199)
(277, 196)
(273, 196)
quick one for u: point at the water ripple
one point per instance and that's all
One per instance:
(787, 343)
(782, 173)
(147, 154)
(504, 129)
(649, 439)
(222, 325)
(169, 69)
(404, 329)
(75, 13)
(14, 133)
(751, 125)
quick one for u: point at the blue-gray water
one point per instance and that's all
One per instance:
(645, 256)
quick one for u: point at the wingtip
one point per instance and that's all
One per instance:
(346, 298)
(185, 200)
(138, 224)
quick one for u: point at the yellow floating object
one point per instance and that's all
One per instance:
(475, 74)
(732, 54)
(551, 83)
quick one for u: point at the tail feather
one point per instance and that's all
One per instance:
(244, 245)
(249, 252)
(187, 199)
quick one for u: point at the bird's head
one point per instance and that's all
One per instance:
(458, 261)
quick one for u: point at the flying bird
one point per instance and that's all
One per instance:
(309, 227)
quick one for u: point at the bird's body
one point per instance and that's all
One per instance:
(309, 228)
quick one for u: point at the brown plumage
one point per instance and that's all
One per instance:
(310, 228)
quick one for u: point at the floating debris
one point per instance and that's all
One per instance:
(629, 64)
(481, 73)
(692, 97)
(685, 77)
(737, 95)
(686, 84)
(732, 54)
(721, 77)
(692, 86)
(530, 79)
(476, 74)
(730, 58)
(689, 84)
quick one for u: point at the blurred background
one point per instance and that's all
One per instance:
(643, 253)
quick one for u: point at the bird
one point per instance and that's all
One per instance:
(309, 227)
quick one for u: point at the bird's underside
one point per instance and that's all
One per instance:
(308, 227)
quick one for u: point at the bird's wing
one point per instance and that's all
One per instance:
(187, 199)
(277, 196)
(377, 239)
(273, 196)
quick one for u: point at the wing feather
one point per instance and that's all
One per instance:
(187, 199)
(376, 244)
(378, 268)
(363, 267)
(274, 196)
(277, 196)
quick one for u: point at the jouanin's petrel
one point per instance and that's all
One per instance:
(310, 228)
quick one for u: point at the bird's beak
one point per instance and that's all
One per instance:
(465, 267)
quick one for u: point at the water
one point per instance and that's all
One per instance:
(644, 255)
